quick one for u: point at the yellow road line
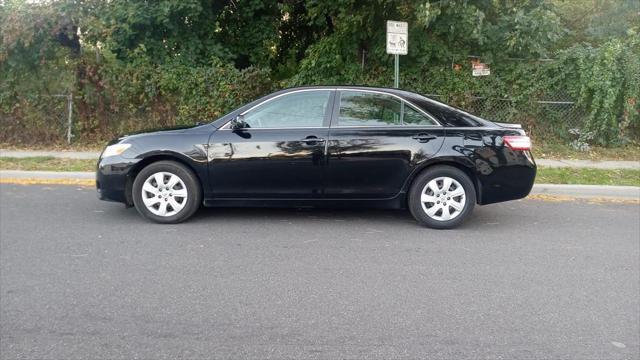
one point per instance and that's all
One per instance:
(36, 181)
(591, 200)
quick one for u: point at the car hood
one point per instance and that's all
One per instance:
(179, 129)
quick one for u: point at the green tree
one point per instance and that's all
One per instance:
(132, 64)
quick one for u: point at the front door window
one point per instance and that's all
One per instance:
(296, 110)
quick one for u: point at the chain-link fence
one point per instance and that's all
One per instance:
(65, 116)
(50, 118)
(47, 118)
(540, 117)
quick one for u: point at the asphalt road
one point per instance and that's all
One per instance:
(530, 279)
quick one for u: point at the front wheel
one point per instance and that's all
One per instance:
(166, 192)
(441, 197)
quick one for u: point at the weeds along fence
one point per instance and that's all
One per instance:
(44, 119)
(558, 119)
(53, 119)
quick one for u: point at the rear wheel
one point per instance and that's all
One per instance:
(441, 197)
(166, 192)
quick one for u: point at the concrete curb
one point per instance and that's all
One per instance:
(588, 191)
(579, 191)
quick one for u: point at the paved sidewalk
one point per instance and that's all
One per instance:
(589, 164)
(55, 154)
(540, 162)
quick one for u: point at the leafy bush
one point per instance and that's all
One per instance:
(608, 85)
(131, 65)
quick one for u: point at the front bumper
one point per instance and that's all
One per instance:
(114, 180)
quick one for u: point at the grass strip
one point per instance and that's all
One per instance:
(47, 163)
(586, 176)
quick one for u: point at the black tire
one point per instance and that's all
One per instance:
(419, 184)
(192, 185)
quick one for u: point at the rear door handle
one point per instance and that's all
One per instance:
(423, 137)
(312, 139)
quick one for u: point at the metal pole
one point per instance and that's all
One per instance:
(396, 81)
(69, 117)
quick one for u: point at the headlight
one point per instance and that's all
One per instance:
(115, 149)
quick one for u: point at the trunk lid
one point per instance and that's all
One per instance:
(509, 126)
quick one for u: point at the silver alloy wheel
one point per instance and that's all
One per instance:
(164, 194)
(443, 198)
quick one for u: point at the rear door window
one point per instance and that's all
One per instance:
(360, 108)
(368, 109)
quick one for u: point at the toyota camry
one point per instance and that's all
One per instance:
(324, 146)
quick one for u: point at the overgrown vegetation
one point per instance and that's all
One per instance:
(556, 150)
(135, 64)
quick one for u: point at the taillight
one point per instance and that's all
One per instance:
(518, 142)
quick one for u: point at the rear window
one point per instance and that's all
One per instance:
(448, 115)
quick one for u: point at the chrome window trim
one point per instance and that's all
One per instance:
(277, 128)
(417, 108)
(388, 127)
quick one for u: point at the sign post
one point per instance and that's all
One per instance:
(397, 44)
(396, 71)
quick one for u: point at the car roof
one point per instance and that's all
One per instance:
(408, 95)
(415, 98)
(423, 102)
(354, 87)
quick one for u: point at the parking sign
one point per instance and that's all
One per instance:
(397, 37)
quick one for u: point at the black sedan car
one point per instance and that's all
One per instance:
(324, 146)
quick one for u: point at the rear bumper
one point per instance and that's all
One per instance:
(510, 179)
(113, 180)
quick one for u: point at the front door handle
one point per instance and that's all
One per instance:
(312, 139)
(423, 137)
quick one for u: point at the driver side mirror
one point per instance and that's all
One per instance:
(239, 123)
